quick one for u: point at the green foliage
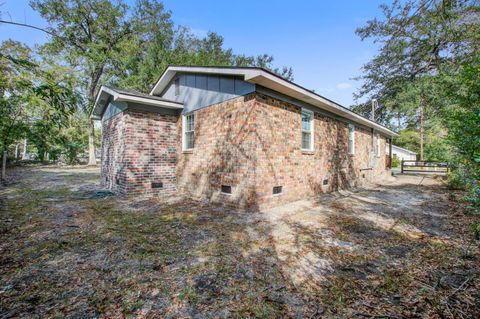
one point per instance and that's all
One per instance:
(395, 162)
(462, 119)
(32, 100)
(74, 139)
(129, 46)
(437, 147)
(417, 39)
(476, 230)
(428, 64)
(408, 139)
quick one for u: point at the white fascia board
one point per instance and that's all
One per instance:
(147, 101)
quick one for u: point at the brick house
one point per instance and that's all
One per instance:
(240, 136)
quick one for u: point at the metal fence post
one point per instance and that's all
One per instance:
(402, 166)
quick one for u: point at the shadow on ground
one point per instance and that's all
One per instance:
(395, 250)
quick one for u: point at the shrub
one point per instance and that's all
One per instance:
(395, 162)
(72, 150)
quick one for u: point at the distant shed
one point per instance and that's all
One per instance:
(403, 154)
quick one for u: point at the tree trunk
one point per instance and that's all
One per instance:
(91, 144)
(422, 131)
(15, 156)
(24, 153)
(4, 165)
(95, 77)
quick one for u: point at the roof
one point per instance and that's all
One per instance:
(108, 94)
(403, 149)
(276, 83)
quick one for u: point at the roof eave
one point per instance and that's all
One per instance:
(285, 87)
(276, 83)
(104, 94)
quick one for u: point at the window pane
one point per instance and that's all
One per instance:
(351, 138)
(190, 123)
(306, 121)
(306, 141)
(189, 140)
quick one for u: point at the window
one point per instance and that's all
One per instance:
(307, 130)
(277, 190)
(351, 139)
(378, 145)
(226, 189)
(188, 131)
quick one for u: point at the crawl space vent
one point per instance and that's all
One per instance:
(226, 189)
(157, 185)
(277, 190)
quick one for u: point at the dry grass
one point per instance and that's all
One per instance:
(67, 253)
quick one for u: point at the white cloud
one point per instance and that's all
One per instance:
(343, 86)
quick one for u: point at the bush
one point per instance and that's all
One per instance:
(72, 150)
(455, 179)
(473, 196)
(395, 162)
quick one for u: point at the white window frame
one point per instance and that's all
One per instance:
(351, 137)
(378, 145)
(311, 131)
(184, 131)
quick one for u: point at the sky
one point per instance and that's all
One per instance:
(316, 38)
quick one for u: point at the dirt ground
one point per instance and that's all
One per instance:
(403, 249)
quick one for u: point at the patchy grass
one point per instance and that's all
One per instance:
(67, 253)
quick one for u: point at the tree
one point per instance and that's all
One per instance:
(130, 47)
(27, 93)
(417, 38)
(426, 75)
(89, 35)
(157, 43)
(462, 119)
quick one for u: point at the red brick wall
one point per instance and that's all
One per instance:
(252, 143)
(224, 153)
(113, 170)
(140, 148)
(301, 174)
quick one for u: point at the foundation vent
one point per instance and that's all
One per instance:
(226, 189)
(325, 182)
(157, 185)
(277, 190)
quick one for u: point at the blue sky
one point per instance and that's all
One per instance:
(316, 38)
